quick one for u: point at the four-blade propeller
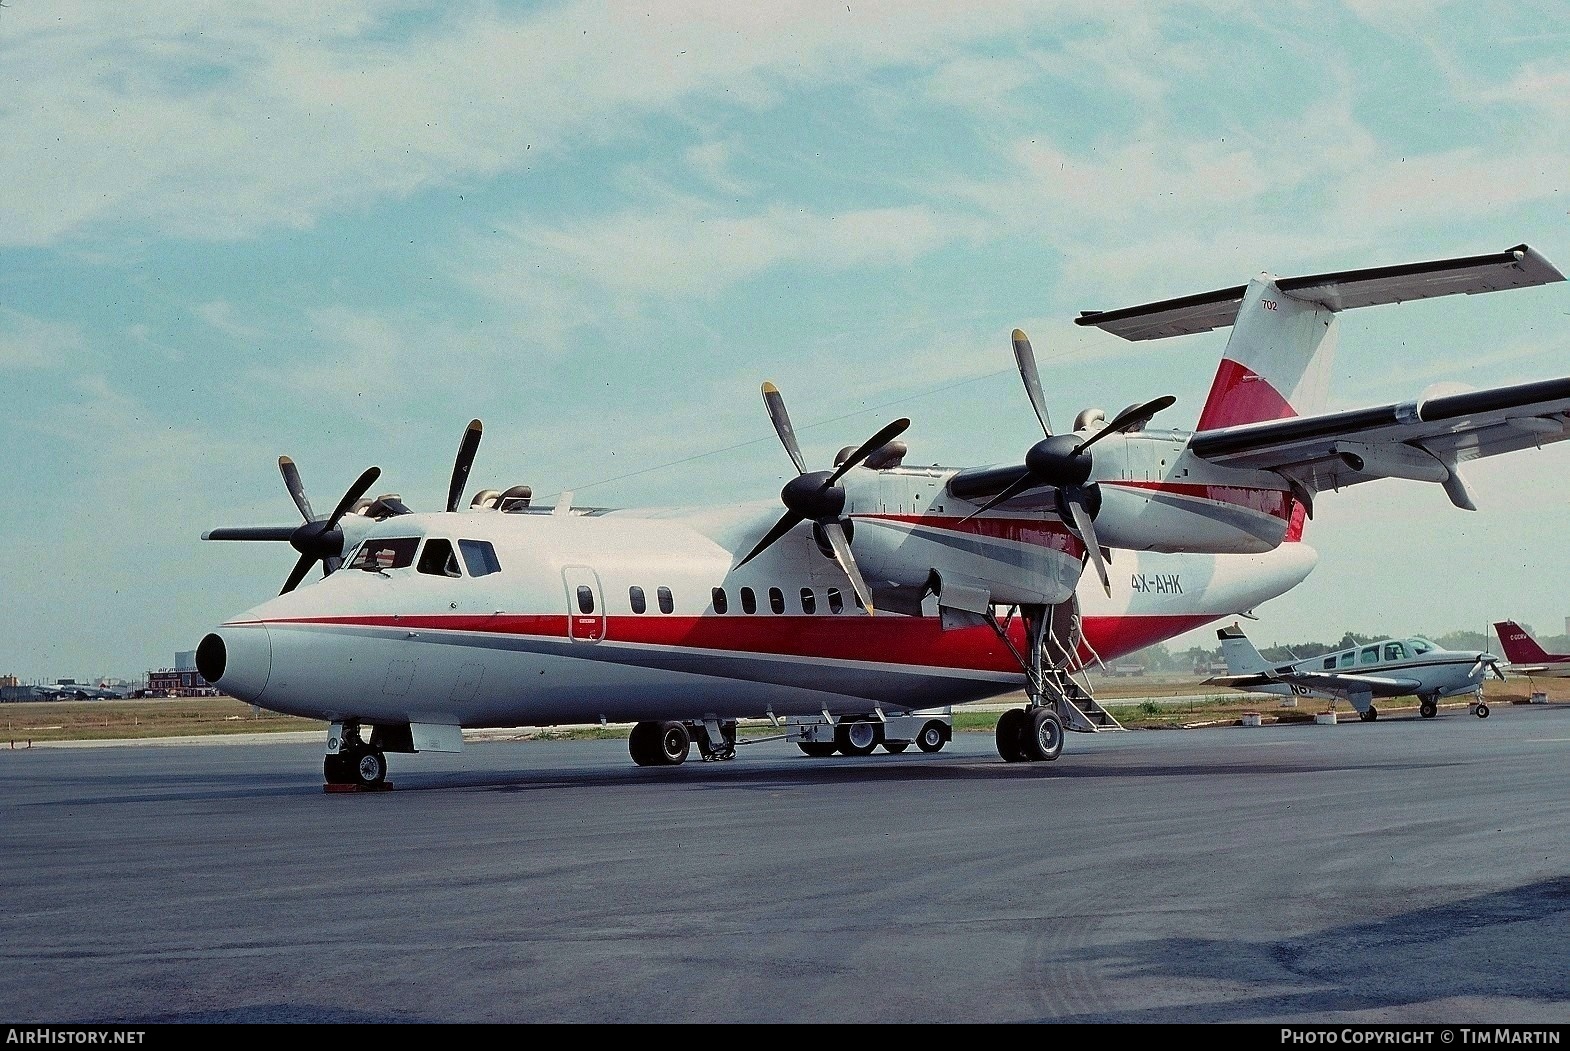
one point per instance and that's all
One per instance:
(817, 496)
(1063, 461)
(321, 539)
(317, 539)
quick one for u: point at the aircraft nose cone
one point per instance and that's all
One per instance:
(237, 658)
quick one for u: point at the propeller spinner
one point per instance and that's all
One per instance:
(1064, 462)
(817, 496)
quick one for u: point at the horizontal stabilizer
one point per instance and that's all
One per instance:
(1519, 267)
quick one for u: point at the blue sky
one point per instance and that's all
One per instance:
(339, 232)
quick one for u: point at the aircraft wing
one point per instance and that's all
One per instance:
(1328, 682)
(1425, 440)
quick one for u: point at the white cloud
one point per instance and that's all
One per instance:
(28, 342)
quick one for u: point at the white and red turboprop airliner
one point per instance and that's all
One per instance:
(883, 590)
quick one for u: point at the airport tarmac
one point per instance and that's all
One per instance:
(1401, 871)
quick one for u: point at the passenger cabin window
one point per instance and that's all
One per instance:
(721, 603)
(666, 602)
(635, 596)
(776, 600)
(1370, 655)
(1348, 658)
(835, 602)
(809, 601)
(1330, 664)
(390, 553)
(1394, 651)
(585, 599)
(480, 557)
(438, 559)
(749, 601)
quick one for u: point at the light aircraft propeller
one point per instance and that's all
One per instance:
(1492, 663)
(1063, 461)
(817, 496)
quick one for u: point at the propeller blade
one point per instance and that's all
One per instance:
(460, 468)
(250, 533)
(1086, 526)
(291, 481)
(840, 543)
(870, 446)
(776, 406)
(1126, 418)
(1019, 485)
(297, 574)
(1026, 359)
(361, 484)
(783, 526)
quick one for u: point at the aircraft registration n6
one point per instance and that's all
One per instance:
(882, 593)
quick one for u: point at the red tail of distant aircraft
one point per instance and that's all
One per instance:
(1526, 657)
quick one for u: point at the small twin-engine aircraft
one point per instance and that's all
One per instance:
(883, 589)
(71, 690)
(1526, 656)
(1413, 667)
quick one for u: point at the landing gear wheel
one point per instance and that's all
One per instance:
(1428, 709)
(895, 747)
(815, 749)
(643, 744)
(1011, 734)
(933, 737)
(1482, 710)
(336, 769)
(857, 737)
(370, 768)
(1370, 715)
(1044, 738)
(674, 744)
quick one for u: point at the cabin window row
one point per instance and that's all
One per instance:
(720, 600)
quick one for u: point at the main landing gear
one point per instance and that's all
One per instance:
(668, 743)
(355, 764)
(1033, 733)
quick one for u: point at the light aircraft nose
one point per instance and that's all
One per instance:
(237, 658)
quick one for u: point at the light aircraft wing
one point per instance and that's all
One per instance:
(1328, 682)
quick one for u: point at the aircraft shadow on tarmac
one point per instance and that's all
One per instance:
(1406, 960)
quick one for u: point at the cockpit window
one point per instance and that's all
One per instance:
(1420, 646)
(385, 553)
(1394, 651)
(438, 559)
(480, 557)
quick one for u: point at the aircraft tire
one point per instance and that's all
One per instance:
(933, 737)
(369, 767)
(1043, 739)
(643, 743)
(1010, 735)
(336, 769)
(674, 744)
(1428, 709)
(1482, 711)
(1370, 715)
(816, 749)
(895, 747)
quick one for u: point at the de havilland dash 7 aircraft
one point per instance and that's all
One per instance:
(1410, 667)
(883, 590)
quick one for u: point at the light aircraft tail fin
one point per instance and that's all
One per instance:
(1239, 654)
(1519, 646)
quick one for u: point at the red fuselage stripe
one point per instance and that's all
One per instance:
(917, 641)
